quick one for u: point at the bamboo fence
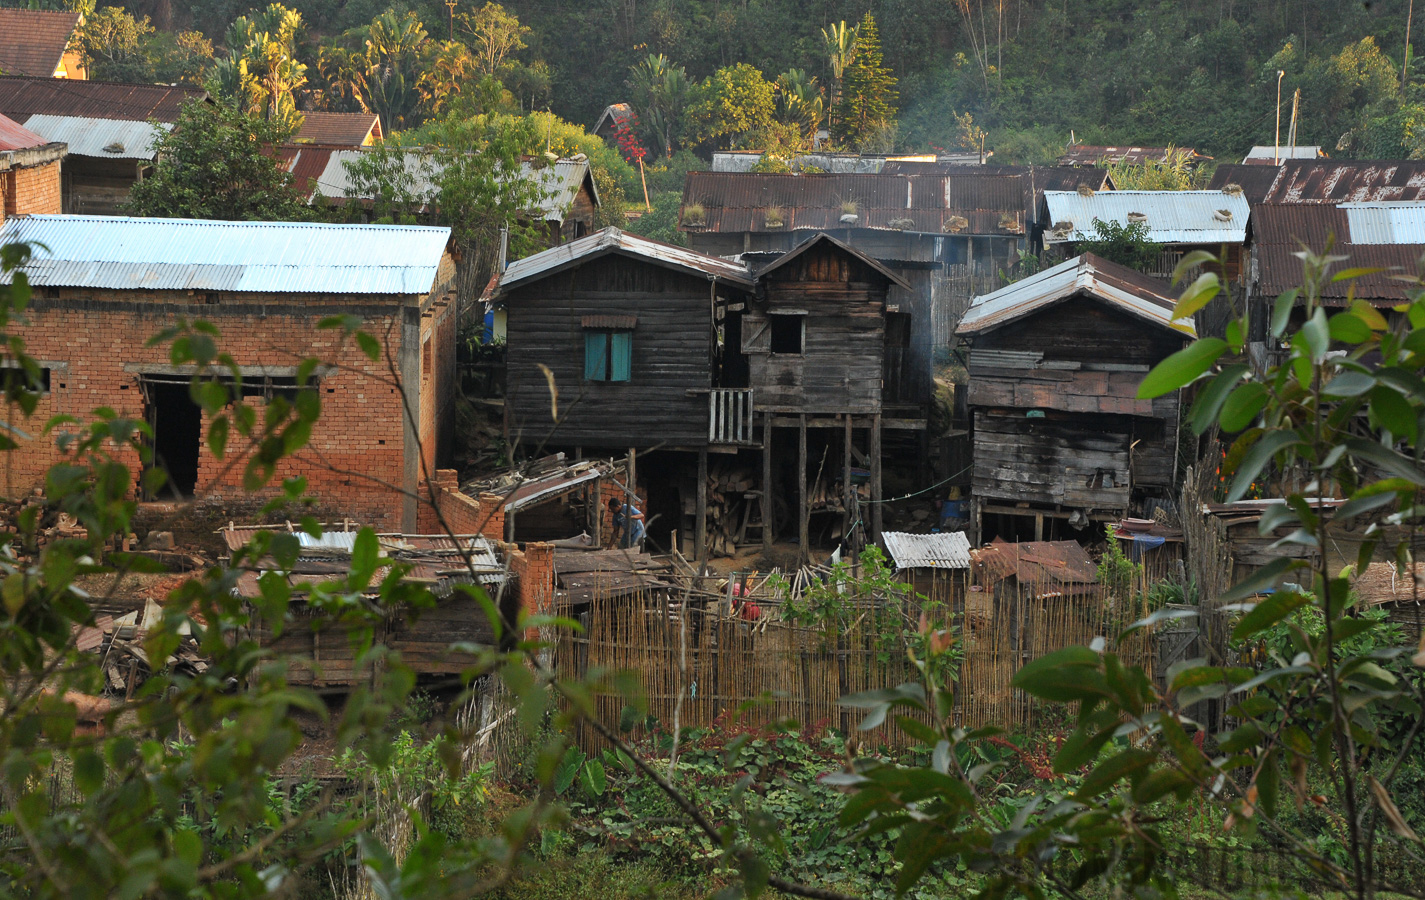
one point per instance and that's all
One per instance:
(701, 669)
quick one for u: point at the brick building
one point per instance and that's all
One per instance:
(29, 171)
(106, 285)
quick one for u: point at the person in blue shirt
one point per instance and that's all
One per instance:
(628, 524)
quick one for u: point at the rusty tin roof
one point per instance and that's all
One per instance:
(972, 202)
(1039, 562)
(1280, 230)
(32, 41)
(1354, 181)
(22, 97)
(338, 129)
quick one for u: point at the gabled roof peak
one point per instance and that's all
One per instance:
(1131, 291)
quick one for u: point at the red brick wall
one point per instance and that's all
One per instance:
(438, 384)
(462, 514)
(33, 189)
(533, 568)
(359, 436)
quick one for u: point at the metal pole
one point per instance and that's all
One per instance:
(1277, 144)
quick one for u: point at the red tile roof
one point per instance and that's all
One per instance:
(338, 129)
(21, 98)
(32, 41)
(13, 136)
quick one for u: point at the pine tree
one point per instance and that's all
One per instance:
(867, 106)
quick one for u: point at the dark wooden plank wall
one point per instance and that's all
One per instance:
(1094, 357)
(98, 186)
(423, 641)
(1071, 462)
(843, 355)
(671, 355)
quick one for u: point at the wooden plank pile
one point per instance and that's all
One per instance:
(119, 643)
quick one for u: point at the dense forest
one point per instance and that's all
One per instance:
(1030, 73)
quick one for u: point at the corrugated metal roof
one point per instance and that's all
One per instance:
(197, 254)
(1268, 155)
(559, 181)
(1062, 563)
(1331, 181)
(949, 550)
(338, 129)
(14, 136)
(32, 41)
(1255, 181)
(1173, 217)
(970, 203)
(612, 240)
(103, 138)
(22, 97)
(1280, 230)
(1385, 223)
(1147, 298)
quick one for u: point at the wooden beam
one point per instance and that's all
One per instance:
(700, 525)
(876, 477)
(846, 487)
(803, 526)
(768, 523)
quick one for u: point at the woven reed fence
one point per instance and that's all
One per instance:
(702, 669)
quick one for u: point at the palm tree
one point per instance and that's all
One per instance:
(840, 43)
(660, 94)
(800, 101)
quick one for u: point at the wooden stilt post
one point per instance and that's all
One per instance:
(876, 476)
(632, 494)
(1039, 526)
(847, 490)
(596, 512)
(700, 524)
(769, 525)
(803, 526)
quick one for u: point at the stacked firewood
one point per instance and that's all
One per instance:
(729, 508)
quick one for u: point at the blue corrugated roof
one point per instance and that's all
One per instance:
(199, 254)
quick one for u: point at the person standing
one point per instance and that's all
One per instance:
(628, 525)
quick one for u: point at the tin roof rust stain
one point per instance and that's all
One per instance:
(1329, 181)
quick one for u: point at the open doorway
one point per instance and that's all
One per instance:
(177, 424)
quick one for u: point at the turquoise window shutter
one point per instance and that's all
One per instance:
(621, 350)
(596, 355)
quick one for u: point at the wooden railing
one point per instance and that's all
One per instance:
(730, 416)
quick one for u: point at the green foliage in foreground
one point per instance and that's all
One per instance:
(173, 795)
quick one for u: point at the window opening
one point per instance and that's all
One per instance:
(788, 333)
(608, 355)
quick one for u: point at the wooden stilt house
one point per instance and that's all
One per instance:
(620, 343)
(1059, 432)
